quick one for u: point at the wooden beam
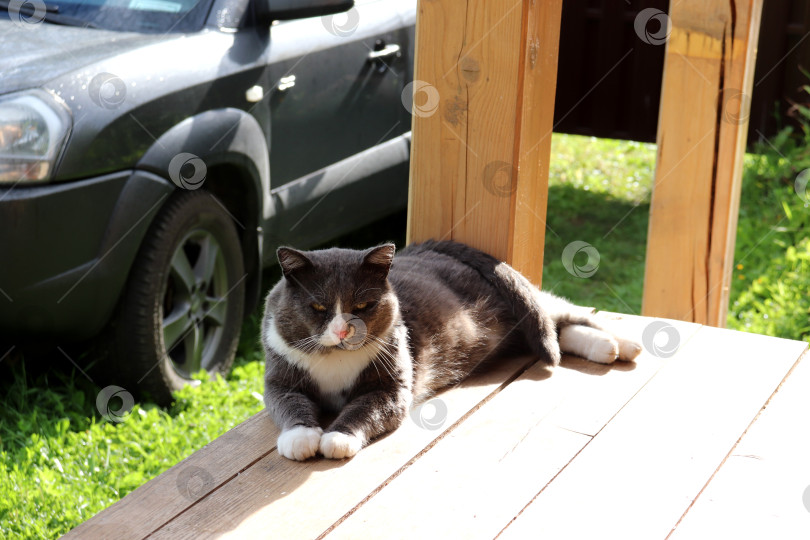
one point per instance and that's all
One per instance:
(484, 86)
(702, 126)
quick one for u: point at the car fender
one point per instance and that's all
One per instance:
(219, 137)
(216, 137)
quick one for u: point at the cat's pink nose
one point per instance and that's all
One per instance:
(341, 334)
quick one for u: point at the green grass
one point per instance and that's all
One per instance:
(771, 279)
(61, 463)
(599, 193)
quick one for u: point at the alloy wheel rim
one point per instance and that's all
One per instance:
(194, 303)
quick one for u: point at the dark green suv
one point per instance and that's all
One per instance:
(154, 153)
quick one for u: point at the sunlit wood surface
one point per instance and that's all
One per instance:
(706, 439)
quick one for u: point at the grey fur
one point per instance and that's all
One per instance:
(441, 310)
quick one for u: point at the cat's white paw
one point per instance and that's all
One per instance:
(629, 349)
(337, 445)
(604, 350)
(299, 443)
(589, 343)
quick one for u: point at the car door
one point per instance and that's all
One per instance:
(338, 85)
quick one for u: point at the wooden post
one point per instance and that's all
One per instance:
(702, 126)
(484, 85)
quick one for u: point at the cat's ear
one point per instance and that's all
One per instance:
(379, 259)
(292, 260)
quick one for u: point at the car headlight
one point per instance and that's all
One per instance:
(33, 131)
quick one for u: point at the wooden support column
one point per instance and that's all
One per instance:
(484, 85)
(702, 126)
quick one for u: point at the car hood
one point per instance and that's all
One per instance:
(33, 54)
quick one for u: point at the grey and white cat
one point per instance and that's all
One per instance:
(363, 336)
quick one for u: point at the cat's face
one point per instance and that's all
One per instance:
(336, 299)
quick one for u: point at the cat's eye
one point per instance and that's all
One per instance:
(363, 305)
(318, 307)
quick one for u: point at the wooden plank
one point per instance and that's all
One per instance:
(702, 127)
(485, 80)
(165, 496)
(642, 471)
(288, 499)
(456, 496)
(597, 399)
(763, 488)
(474, 481)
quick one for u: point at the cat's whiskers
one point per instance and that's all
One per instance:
(379, 375)
(384, 361)
(304, 340)
(382, 344)
(308, 345)
(384, 353)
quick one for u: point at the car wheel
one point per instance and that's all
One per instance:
(183, 305)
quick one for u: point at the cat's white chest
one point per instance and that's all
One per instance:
(333, 372)
(337, 371)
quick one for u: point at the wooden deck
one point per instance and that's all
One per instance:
(711, 442)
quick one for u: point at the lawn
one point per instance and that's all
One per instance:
(61, 463)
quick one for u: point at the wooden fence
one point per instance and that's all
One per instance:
(598, 44)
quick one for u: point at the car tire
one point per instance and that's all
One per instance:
(183, 304)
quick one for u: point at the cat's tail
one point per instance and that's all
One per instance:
(536, 324)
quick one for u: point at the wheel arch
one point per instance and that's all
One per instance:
(233, 148)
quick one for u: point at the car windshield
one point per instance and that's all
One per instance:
(148, 16)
